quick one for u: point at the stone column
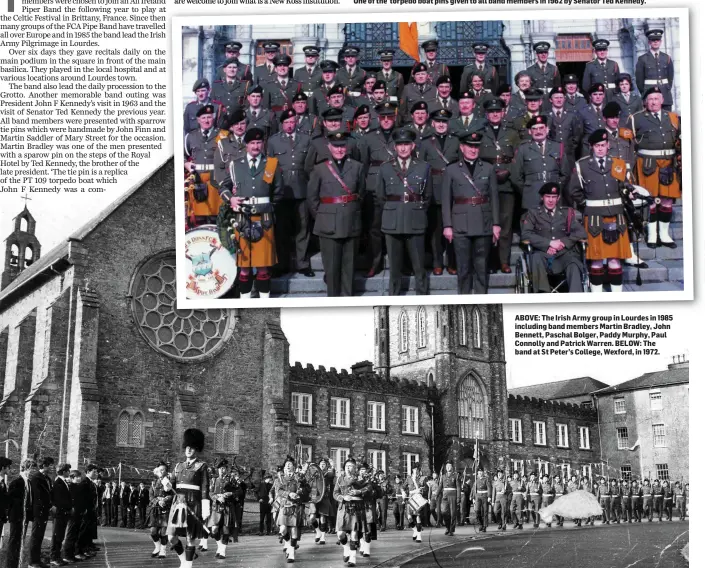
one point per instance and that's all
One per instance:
(515, 36)
(336, 38)
(208, 53)
(275, 396)
(305, 35)
(672, 47)
(248, 53)
(190, 55)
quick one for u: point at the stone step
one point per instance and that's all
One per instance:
(662, 253)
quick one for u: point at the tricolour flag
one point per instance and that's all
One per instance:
(409, 39)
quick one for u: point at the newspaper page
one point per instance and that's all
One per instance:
(223, 224)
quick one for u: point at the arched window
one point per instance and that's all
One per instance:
(462, 326)
(28, 256)
(476, 329)
(227, 436)
(472, 410)
(24, 224)
(421, 326)
(403, 332)
(429, 378)
(14, 255)
(130, 430)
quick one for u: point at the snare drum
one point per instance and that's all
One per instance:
(210, 268)
(416, 503)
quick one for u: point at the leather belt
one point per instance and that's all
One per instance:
(406, 198)
(278, 108)
(471, 200)
(203, 167)
(603, 202)
(503, 160)
(339, 199)
(656, 82)
(449, 489)
(256, 200)
(657, 153)
(437, 172)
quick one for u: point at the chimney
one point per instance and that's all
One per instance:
(362, 368)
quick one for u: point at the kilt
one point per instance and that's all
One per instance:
(181, 521)
(157, 517)
(223, 518)
(210, 206)
(261, 254)
(291, 516)
(351, 517)
(325, 507)
(597, 249)
(651, 183)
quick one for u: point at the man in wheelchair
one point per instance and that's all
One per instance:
(553, 234)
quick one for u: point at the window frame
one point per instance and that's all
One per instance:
(298, 416)
(660, 468)
(131, 414)
(341, 455)
(335, 411)
(406, 419)
(463, 326)
(559, 429)
(513, 422)
(375, 404)
(407, 458)
(655, 395)
(536, 433)
(622, 442)
(657, 436)
(421, 327)
(620, 408)
(586, 430)
(476, 329)
(403, 332)
(625, 472)
(374, 463)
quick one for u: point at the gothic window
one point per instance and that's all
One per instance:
(130, 430)
(429, 378)
(403, 332)
(24, 225)
(28, 256)
(462, 326)
(472, 410)
(227, 436)
(476, 329)
(14, 255)
(421, 326)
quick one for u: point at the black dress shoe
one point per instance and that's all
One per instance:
(671, 245)
(307, 272)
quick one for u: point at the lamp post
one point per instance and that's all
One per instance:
(433, 437)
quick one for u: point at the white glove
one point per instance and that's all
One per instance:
(166, 484)
(205, 508)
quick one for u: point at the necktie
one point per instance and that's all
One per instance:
(656, 116)
(283, 84)
(350, 71)
(254, 113)
(602, 64)
(403, 167)
(614, 134)
(205, 134)
(310, 71)
(386, 76)
(558, 115)
(543, 68)
(602, 164)
(253, 166)
(481, 67)
(465, 121)
(445, 103)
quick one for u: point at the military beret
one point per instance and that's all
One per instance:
(480, 47)
(362, 109)
(222, 463)
(255, 89)
(654, 34)
(419, 105)
(312, 50)
(206, 109)
(536, 120)
(600, 44)
(230, 61)
(466, 95)
(494, 105)
(443, 80)
(271, 46)
(386, 109)
(386, 54)
(471, 138)
(252, 135)
(351, 51)
(201, 84)
(533, 94)
(336, 89)
(550, 188)
(282, 59)
(542, 46)
(404, 136)
(339, 138)
(430, 45)
(611, 110)
(599, 135)
(300, 96)
(419, 68)
(570, 78)
(557, 90)
(652, 90)
(596, 88)
(624, 77)
(332, 114)
(233, 46)
(503, 88)
(441, 115)
(236, 117)
(287, 114)
(328, 66)
(379, 85)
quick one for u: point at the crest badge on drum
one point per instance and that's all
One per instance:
(210, 269)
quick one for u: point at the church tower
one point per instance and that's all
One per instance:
(22, 248)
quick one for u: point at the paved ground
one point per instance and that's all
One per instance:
(620, 546)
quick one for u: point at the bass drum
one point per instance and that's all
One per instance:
(316, 481)
(211, 270)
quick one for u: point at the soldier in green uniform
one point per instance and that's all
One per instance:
(309, 76)
(500, 489)
(393, 80)
(265, 72)
(230, 91)
(518, 490)
(547, 495)
(554, 233)
(319, 150)
(658, 490)
(544, 75)
(467, 120)
(280, 91)
(318, 102)
(232, 50)
(404, 186)
(480, 65)
(591, 115)
(448, 495)
(471, 214)
(626, 501)
(679, 495)
(351, 76)
(615, 501)
(574, 100)
(604, 496)
(334, 197)
(199, 156)
(258, 115)
(336, 99)
(655, 69)
(364, 120)
(418, 90)
(305, 122)
(635, 494)
(481, 494)
(647, 503)
(443, 100)
(292, 231)
(419, 121)
(533, 499)
(629, 101)
(517, 101)
(230, 145)
(559, 489)
(601, 69)
(564, 126)
(479, 93)
(534, 100)
(439, 150)
(434, 70)
(202, 90)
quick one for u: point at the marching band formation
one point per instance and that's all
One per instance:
(368, 164)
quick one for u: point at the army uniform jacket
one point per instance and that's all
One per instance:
(482, 488)
(193, 474)
(244, 72)
(520, 125)
(651, 133)
(489, 74)
(240, 182)
(602, 189)
(318, 101)
(467, 219)
(500, 490)
(231, 95)
(436, 70)
(400, 217)
(651, 71)
(192, 108)
(448, 481)
(306, 124)
(412, 93)
(291, 155)
(318, 151)
(547, 490)
(622, 146)
(533, 489)
(628, 106)
(603, 491)
(228, 148)
(353, 82)
(395, 83)
(308, 82)
(264, 74)
(414, 485)
(439, 152)
(574, 102)
(626, 493)
(647, 493)
(591, 119)
(532, 168)
(265, 120)
(540, 227)
(375, 150)
(201, 150)
(481, 97)
(421, 133)
(615, 492)
(566, 130)
(544, 80)
(156, 512)
(336, 220)
(595, 72)
(457, 126)
(279, 98)
(449, 104)
(517, 486)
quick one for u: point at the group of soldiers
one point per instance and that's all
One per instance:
(366, 163)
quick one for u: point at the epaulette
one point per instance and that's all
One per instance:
(626, 133)
(198, 465)
(221, 135)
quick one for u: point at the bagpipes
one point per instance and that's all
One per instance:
(636, 224)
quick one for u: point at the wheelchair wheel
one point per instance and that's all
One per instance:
(522, 283)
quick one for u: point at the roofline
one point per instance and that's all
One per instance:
(607, 390)
(554, 382)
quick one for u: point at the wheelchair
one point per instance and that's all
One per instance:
(522, 271)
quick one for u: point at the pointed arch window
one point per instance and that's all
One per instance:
(130, 428)
(476, 329)
(14, 255)
(24, 225)
(403, 332)
(227, 436)
(472, 410)
(421, 326)
(462, 326)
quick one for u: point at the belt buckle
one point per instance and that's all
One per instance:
(406, 197)
(543, 173)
